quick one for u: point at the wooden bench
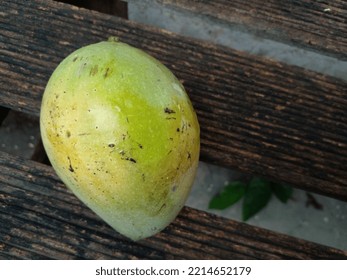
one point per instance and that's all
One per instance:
(257, 115)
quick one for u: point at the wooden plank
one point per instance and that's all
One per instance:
(315, 25)
(256, 115)
(41, 219)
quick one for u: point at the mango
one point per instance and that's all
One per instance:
(121, 133)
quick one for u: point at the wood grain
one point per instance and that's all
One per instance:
(41, 219)
(256, 115)
(315, 25)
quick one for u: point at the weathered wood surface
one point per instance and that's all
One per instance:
(316, 25)
(256, 115)
(41, 219)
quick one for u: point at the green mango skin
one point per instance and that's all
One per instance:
(121, 133)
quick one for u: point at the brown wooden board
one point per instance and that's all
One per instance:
(316, 25)
(256, 115)
(41, 219)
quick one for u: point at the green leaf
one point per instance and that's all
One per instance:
(228, 196)
(282, 192)
(258, 194)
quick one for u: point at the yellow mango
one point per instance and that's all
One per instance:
(121, 133)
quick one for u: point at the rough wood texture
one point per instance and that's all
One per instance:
(316, 25)
(41, 219)
(256, 115)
